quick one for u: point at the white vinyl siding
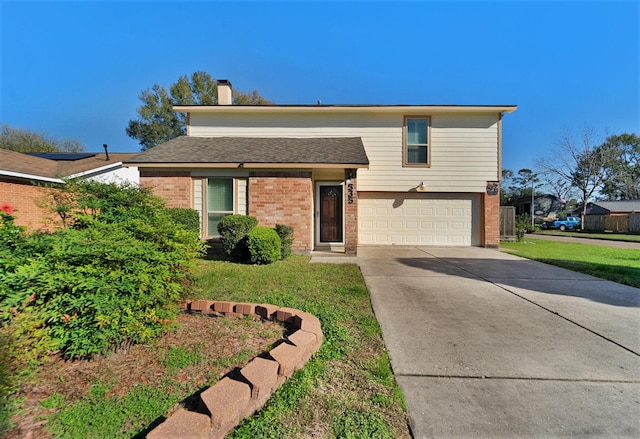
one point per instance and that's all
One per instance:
(197, 199)
(419, 219)
(463, 148)
(241, 196)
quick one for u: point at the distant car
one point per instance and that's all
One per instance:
(571, 222)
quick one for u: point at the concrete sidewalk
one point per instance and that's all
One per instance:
(486, 344)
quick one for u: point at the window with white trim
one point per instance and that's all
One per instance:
(219, 202)
(417, 133)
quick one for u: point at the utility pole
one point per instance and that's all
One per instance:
(532, 207)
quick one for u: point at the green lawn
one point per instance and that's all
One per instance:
(618, 265)
(608, 236)
(348, 388)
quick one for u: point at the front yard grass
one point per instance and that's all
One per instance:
(615, 264)
(347, 389)
(628, 237)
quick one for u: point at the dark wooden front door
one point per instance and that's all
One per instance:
(330, 213)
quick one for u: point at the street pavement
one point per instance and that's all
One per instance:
(488, 345)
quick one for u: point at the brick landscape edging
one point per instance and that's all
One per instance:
(224, 404)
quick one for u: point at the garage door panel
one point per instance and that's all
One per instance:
(419, 219)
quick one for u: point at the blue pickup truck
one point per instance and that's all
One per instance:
(571, 222)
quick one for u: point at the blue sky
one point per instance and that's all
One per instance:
(76, 69)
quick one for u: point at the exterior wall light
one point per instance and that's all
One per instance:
(421, 187)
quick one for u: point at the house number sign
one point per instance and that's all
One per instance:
(492, 189)
(350, 193)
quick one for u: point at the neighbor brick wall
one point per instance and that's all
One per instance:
(284, 198)
(174, 186)
(351, 213)
(31, 205)
(492, 218)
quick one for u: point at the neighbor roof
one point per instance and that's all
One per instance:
(255, 152)
(19, 165)
(619, 206)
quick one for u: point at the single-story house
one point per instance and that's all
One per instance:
(22, 177)
(613, 216)
(613, 207)
(341, 175)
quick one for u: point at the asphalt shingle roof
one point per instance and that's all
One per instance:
(267, 150)
(619, 206)
(17, 162)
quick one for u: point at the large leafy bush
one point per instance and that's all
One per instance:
(189, 218)
(234, 230)
(264, 245)
(113, 276)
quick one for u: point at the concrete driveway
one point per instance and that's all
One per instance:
(485, 344)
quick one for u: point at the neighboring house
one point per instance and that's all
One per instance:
(22, 177)
(341, 175)
(544, 206)
(613, 216)
(613, 207)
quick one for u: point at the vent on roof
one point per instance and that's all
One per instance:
(63, 156)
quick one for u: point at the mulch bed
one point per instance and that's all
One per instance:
(215, 338)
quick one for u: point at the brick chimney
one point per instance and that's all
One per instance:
(225, 95)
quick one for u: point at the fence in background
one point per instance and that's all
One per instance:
(507, 223)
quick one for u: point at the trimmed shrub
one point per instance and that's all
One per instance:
(286, 237)
(233, 230)
(264, 245)
(189, 218)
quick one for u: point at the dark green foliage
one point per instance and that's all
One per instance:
(233, 230)
(189, 218)
(157, 121)
(286, 237)
(112, 277)
(6, 384)
(264, 245)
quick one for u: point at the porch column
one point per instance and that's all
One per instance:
(351, 212)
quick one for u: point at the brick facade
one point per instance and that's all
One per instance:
(351, 213)
(284, 198)
(31, 205)
(491, 216)
(174, 186)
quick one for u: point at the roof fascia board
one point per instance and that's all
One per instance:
(248, 165)
(100, 170)
(400, 109)
(31, 177)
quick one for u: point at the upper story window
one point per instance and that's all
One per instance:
(417, 134)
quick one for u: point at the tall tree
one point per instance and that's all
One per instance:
(158, 123)
(622, 167)
(22, 140)
(526, 183)
(580, 163)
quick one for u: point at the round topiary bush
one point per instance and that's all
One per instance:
(264, 245)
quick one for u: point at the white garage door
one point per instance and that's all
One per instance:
(419, 219)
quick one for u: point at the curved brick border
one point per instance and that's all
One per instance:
(223, 405)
